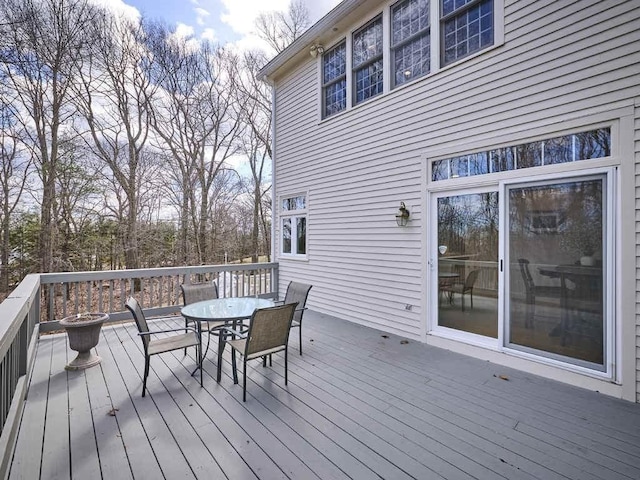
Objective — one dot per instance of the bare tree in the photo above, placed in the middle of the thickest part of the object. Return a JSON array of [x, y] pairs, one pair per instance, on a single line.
[[254, 97], [197, 121], [15, 164], [45, 39], [279, 29], [115, 95]]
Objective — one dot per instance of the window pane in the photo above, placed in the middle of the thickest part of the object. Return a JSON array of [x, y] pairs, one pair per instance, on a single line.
[[334, 63], [286, 235], [367, 43], [449, 6], [294, 203], [556, 250], [409, 18], [468, 263], [594, 144], [302, 235], [502, 159], [440, 170], [412, 60], [369, 81], [334, 79], [469, 31], [558, 150], [300, 202], [335, 98], [529, 155]]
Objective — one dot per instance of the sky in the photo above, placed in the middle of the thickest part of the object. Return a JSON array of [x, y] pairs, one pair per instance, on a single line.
[[223, 21]]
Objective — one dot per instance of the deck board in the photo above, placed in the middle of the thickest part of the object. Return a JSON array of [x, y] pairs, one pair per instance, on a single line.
[[358, 405]]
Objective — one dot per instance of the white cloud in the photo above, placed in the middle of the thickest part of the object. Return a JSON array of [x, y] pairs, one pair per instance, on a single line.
[[209, 34], [183, 31], [201, 15], [241, 17], [118, 6]]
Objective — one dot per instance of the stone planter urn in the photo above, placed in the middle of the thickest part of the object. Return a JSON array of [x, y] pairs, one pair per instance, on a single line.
[[83, 331]]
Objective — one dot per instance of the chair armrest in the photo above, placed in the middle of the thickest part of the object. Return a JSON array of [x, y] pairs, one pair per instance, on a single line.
[[173, 330], [278, 302], [228, 331]]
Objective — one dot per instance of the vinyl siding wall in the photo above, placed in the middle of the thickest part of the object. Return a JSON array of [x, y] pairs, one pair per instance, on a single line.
[[562, 63]]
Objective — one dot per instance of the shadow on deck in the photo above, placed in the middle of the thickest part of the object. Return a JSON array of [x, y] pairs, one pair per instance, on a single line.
[[358, 406]]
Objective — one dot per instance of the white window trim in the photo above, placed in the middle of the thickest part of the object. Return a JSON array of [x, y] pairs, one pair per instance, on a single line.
[[293, 214]]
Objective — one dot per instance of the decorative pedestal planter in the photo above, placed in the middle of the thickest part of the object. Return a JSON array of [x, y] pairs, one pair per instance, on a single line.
[[83, 331]]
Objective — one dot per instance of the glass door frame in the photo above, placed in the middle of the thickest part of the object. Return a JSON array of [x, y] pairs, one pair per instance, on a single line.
[[610, 262], [433, 326]]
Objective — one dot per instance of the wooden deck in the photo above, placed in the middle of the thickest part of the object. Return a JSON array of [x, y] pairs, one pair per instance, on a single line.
[[358, 406]]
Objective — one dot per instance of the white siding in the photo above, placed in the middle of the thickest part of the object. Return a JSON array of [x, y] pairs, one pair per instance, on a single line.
[[561, 61]]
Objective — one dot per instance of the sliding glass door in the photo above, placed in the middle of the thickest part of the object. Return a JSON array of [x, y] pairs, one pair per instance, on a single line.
[[527, 266], [556, 241]]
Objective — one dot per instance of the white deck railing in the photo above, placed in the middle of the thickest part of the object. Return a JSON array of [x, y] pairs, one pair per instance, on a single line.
[[41, 300]]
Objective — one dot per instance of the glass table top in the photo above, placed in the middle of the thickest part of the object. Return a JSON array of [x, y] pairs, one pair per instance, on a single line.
[[225, 308]]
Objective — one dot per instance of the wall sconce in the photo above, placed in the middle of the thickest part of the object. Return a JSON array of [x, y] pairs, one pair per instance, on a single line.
[[316, 50], [402, 217]]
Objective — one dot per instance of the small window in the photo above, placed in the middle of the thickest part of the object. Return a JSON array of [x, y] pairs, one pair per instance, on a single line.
[[367, 61], [334, 80], [466, 27], [410, 40], [294, 225]]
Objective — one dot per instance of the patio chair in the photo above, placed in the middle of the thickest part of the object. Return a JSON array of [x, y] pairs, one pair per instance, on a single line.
[[297, 293], [164, 344], [268, 333], [192, 293], [532, 291], [462, 288]]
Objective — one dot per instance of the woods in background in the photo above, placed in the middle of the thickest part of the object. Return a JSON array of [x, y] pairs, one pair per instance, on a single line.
[[124, 145]]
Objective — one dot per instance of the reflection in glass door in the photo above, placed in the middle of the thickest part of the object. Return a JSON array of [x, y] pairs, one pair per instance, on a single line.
[[556, 240], [467, 264]]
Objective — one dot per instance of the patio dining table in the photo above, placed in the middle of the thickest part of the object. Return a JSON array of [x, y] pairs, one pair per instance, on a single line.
[[229, 310]]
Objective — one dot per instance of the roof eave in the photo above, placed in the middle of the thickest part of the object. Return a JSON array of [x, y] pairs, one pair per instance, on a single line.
[[309, 37]]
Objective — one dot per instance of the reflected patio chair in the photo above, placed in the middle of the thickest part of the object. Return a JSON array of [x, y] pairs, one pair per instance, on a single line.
[[268, 334], [462, 288], [164, 344], [297, 293], [532, 291], [192, 293]]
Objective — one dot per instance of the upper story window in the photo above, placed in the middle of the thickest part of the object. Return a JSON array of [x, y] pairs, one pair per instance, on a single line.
[[420, 37], [334, 80], [367, 61], [293, 216], [466, 26], [410, 40]]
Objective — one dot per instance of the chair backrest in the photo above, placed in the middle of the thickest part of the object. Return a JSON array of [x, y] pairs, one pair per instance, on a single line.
[[297, 293], [269, 329], [471, 279], [526, 274], [198, 292], [134, 307]]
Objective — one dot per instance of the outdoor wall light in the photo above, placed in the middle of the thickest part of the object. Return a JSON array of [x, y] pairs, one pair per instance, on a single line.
[[316, 50], [402, 217]]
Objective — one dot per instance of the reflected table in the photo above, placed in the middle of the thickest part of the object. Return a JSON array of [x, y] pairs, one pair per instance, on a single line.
[[588, 289], [228, 310]]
